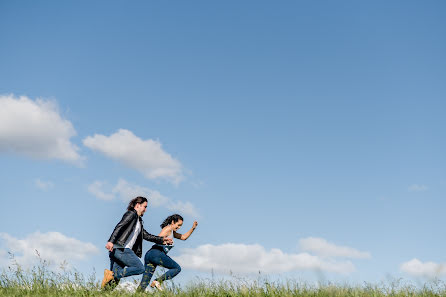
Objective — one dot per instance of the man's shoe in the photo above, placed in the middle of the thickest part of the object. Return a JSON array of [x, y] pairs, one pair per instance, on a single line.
[[108, 276], [156, 284]]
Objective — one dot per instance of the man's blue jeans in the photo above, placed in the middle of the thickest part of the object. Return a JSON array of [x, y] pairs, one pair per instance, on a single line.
[[153, 258], [124, 262]]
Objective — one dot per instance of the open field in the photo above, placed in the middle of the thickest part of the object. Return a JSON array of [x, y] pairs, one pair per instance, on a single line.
[[229, 290], [41, 281]]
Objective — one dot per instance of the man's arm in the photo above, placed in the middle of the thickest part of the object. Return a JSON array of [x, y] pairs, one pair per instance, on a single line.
[[126, 218], [156, 239]]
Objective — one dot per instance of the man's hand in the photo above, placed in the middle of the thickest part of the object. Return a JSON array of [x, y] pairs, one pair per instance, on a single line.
[[167, 241], [109, 246], [195, 224]]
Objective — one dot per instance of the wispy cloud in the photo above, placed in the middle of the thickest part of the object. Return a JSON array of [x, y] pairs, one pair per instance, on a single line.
[[247, 259], [96, 188], [36, 129], [417, 268], [417, 188], [322, 247], [182, 207], [126, 191], [43, 185], [54, 247], [145, 156]]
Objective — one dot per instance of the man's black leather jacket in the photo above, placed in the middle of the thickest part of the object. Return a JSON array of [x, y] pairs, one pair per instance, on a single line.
[[125, 228]]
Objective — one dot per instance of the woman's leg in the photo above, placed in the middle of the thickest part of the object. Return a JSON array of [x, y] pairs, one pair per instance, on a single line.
[[150, 263], [170, 264]]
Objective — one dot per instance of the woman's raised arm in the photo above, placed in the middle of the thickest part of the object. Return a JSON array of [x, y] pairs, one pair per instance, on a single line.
[[187, 234]]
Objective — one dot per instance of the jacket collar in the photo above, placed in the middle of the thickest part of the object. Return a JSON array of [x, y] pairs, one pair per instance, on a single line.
[[140, 218]]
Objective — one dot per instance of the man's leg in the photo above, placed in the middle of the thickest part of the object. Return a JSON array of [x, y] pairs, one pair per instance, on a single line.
[[112, 260], [117, 270], [109, 281], [126, 259], [108, 277]]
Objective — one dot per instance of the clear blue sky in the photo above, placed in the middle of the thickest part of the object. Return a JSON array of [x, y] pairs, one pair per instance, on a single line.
[[312, 127]]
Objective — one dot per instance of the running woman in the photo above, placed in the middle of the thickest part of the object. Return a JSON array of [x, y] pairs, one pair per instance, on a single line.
[[157, 255]]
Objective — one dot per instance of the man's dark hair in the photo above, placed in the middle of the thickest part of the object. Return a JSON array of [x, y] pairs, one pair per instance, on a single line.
[[175, 218], [134, 201]]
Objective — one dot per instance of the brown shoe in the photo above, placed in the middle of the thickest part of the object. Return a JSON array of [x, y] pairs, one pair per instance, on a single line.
[[108, 276]]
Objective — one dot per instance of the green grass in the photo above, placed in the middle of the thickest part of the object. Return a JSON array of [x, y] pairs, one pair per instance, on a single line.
[[41, 281]]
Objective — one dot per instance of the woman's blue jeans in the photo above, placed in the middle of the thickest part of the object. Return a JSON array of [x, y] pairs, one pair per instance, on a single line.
[[124, 262], [152, 259]]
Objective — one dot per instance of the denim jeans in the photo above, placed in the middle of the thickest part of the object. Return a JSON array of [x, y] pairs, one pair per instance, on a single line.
[[153, 258], [124, 262]]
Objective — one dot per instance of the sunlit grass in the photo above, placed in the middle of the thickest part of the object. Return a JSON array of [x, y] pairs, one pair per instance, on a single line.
[[41, 281]]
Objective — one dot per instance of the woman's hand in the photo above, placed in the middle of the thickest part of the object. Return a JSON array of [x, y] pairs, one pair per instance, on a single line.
[[194, 225]]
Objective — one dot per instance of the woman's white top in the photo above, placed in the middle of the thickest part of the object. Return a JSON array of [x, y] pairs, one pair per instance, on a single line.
[[167, 247]]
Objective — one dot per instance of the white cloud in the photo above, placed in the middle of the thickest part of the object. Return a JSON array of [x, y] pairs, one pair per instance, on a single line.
[[4, 261], [146, 156], [43, 185], [127, 191], [417, 268], [96, 189], [36, 129], [52, 246], [417, 188], [321, 247], [245, 259], [183, 207]]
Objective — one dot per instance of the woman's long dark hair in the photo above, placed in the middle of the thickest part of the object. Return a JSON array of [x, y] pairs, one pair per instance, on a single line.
[[137, 200], [175, 218]]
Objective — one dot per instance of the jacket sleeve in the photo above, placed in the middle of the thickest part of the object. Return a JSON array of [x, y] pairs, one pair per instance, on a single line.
[[126, 219], [153, 238]]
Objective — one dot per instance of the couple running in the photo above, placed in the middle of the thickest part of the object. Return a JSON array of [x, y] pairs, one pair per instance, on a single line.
[[125, 247]]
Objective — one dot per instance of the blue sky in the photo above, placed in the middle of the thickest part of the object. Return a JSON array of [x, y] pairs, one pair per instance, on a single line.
[[306, 137]]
